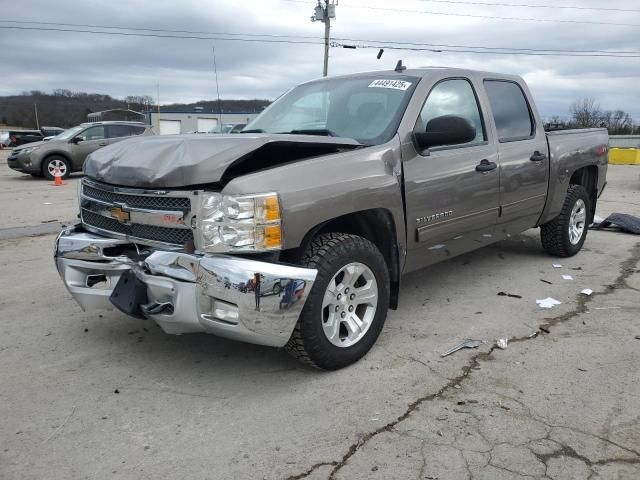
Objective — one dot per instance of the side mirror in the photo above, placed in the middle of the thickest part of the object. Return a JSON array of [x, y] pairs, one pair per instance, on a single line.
[[446, 130], [77, 139]]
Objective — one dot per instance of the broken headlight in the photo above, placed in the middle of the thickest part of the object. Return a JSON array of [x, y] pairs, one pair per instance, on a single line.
[[239, 223]]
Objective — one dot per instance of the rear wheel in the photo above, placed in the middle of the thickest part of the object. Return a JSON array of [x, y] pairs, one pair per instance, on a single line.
[[347, 305], [564, 235], [50, 164]]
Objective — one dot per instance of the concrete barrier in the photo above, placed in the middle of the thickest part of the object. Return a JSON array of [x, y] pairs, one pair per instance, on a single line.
[[624, 156]]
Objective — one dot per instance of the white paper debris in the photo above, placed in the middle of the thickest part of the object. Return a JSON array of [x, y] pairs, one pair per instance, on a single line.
[[47, 203], [557, 265], [586, 291], [567, 277], [502, 343], [548, 302]]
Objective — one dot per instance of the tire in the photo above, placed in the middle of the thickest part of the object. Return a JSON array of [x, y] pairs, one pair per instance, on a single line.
[[557, 236], [49, 163], [277, 288], [337, 256]]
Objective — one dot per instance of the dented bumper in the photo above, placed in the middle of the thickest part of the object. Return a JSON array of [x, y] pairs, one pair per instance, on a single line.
[[239, 298]]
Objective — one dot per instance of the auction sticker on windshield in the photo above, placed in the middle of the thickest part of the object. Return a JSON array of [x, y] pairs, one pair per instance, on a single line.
[[386, 83]]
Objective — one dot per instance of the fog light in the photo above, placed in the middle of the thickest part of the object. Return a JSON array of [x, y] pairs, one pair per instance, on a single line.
[[223, 312]]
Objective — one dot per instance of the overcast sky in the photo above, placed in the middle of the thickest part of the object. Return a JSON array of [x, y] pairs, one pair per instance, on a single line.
[[128, 65]]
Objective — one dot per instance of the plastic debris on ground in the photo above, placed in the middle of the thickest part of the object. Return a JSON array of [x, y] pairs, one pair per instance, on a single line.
[[586, 291], [548, 302], [502, 343], [467, 343], [557, 265], [567, 277], [621, 222]]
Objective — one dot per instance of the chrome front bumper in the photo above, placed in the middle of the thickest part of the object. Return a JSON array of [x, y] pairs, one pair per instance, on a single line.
[[238, 298]]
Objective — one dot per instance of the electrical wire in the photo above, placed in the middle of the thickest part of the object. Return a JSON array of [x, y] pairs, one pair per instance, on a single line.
[[528, 5], [365, 44], [483, 17]]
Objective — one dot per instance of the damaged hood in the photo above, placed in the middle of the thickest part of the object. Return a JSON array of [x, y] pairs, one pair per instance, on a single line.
[[173, 161]]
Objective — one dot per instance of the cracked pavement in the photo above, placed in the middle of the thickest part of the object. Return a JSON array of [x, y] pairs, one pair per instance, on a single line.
[[557, 405]]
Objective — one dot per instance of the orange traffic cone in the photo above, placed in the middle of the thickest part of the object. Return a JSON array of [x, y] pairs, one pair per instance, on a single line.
[[57, 177]]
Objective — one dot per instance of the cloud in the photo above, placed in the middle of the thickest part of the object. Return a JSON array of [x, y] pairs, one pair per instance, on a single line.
[[126, 65]]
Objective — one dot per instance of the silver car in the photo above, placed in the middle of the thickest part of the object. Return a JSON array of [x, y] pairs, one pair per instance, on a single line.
[[67, 151]]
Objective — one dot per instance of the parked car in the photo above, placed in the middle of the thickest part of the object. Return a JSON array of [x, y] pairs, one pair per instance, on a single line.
[[68, 150], [334, 191], [13, 138]]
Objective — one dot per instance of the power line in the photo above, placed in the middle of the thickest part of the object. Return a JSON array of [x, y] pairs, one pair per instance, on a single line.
[[528, 5], [622, 52], [213, 36], [484, 17], [441, 50], [365, 44], [156, 35], [161, 30]]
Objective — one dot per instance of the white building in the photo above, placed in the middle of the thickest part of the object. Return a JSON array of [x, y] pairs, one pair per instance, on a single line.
[[193, 120]]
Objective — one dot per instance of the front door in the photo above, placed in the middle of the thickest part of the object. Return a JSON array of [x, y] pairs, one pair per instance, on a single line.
[[451, 192], [93, 138]]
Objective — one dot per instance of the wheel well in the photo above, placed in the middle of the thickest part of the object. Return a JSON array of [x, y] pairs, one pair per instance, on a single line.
[[377, 226], [588, 178]]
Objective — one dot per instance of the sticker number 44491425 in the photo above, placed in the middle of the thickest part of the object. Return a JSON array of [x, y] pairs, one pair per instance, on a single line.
[[387, 83]]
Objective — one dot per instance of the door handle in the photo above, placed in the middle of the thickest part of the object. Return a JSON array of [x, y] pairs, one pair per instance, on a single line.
[[537, 156], [486, 166]]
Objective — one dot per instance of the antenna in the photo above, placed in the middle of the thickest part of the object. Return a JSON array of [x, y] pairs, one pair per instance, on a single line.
[[399, 67], [215, 69]]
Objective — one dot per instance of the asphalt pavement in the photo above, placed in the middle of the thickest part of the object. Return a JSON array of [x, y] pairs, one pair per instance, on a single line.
[[97, 395]]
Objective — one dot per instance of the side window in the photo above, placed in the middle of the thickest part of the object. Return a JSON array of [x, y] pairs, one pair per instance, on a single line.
[[93, 133], [453, 97], [135, 130], [116, 131], [510, 110]]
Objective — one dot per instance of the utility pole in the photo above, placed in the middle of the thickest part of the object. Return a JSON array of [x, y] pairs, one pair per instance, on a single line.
[[325, 10], [35, 107]]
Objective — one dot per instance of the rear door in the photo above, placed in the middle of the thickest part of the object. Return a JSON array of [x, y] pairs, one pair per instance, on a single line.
[[451, 206], [523, 155]]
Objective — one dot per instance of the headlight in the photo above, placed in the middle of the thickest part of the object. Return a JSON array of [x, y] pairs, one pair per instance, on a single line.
[[234, 223], [28, 150]]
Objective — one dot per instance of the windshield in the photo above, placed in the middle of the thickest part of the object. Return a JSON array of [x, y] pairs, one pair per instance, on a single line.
[[68, 134], [367, 109]]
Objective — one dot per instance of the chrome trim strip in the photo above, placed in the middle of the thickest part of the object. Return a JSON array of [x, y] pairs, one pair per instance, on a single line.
[[131, 239], [141, 192]]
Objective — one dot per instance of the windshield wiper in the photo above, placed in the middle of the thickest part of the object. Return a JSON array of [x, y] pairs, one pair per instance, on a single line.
[[313, 131], [255, 130]]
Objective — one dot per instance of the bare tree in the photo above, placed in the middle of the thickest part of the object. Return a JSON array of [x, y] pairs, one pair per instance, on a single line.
[[586, 113]]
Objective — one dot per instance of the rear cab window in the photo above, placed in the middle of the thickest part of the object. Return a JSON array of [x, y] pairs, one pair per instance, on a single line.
[[511, 111]]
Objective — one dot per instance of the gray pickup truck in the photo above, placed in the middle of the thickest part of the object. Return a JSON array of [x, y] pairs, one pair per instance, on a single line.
[[296, 232]]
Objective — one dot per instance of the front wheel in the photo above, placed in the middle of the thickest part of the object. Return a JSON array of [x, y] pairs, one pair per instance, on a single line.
[[53, 164], [348, 304], [564, 235]]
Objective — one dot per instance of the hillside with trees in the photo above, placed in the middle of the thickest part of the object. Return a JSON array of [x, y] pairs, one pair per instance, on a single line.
[[64, 108]]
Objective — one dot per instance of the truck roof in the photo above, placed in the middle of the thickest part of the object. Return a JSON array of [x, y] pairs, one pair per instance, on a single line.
[[425, 72]]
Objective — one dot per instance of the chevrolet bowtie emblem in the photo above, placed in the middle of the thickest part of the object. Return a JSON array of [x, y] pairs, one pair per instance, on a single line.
[[119, 214]]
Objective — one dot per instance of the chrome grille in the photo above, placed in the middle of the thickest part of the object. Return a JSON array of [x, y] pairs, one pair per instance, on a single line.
[[175, 236], [137, 201], [139, 215]]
